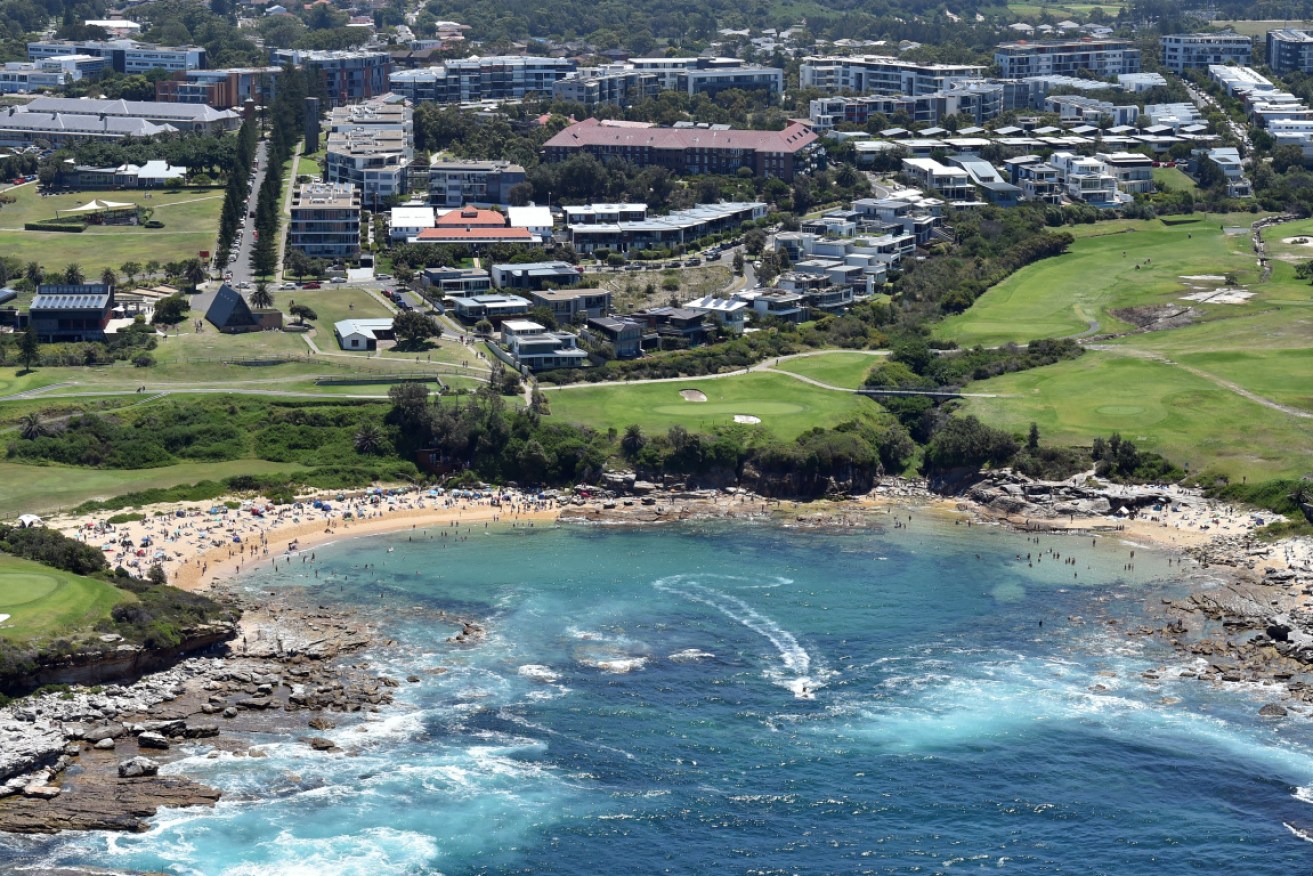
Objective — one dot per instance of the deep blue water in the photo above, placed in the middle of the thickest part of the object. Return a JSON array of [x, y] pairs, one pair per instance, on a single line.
[[874, 702]]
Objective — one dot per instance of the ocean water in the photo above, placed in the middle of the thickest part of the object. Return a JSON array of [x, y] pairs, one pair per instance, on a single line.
[[752, 699]]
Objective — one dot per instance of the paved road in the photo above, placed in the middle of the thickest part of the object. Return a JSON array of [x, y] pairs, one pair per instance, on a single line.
[[241, 264]]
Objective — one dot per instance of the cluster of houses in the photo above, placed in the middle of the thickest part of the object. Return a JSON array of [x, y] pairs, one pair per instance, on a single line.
[[1286, 117]]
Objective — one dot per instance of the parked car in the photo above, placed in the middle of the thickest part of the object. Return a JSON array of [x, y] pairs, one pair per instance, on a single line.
[[310, 286], [382, 276], [288, 286], [338, 280]]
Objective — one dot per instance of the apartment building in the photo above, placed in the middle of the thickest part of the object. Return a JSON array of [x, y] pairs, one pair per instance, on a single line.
[[679, 228], [689, 150], [370, 146], [616, 84], [21, 129], [457, 183], [1184, 51], [1078, 108], [709, 75], [19, 77], [535, 275], [1102, 57], [347, 76], [227, 88], [468, 80], [879, 74], [979, 101], [1289, 51], [123, 56], [326, 220]]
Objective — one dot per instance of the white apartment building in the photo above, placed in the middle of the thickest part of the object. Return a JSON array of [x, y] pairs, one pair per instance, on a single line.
[[879, 74], [1183, 51], [1086, 179], [953, 183]]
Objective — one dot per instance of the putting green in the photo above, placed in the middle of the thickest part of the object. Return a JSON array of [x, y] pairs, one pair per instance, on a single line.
[[23, 588], [43, 602]]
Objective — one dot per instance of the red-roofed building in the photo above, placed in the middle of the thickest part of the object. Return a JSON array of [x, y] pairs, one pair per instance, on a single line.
[[690, 150], [475, 236], [472, 217]]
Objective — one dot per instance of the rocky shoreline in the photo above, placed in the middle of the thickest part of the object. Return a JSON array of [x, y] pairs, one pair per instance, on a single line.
[[90, 759]]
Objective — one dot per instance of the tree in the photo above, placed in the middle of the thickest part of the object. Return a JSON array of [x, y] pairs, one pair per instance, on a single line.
[[411, 327], [408, 400], [754, 241], [170, 310], [153, 267], [1032, 437], [30, 349], [194, 273], [73, 274], [130, 271], [108, 277], [633, 441], [262, 298], [32, 426], [368, 438], [34, 273], [1304, 270], [303, 312], [738, 263]]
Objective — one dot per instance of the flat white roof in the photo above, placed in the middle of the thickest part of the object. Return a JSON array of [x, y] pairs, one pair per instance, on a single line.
[[522, 325], [530, 217]]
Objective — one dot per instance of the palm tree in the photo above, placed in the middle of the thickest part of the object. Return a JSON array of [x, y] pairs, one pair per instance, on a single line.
[[34, 273], [368, 439], [130, 271], [633, 441], [195, 273], [32, 426], [73, 274], [108, 277], [261, 298]]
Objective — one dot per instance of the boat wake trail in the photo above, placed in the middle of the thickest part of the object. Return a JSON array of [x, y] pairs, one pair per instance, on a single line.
[[796, 662]]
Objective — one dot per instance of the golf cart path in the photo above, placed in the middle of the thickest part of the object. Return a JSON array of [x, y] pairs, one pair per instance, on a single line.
[[1204, 375]]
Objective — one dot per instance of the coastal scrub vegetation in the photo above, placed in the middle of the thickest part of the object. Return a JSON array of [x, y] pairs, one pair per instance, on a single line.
[[146, 612]]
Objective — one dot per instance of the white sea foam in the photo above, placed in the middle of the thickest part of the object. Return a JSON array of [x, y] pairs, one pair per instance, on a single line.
[[620, 665], [1302, 834], [688, 655], [538, 672], [795, 660]]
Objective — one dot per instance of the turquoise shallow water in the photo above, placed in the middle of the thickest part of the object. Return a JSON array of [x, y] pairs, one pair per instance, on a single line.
[[752, 699]]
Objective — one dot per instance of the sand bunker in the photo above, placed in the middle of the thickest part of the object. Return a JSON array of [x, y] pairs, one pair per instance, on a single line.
[[746, 418], [1220, 296], [3, 618], [1206, 278], [693, 395], [1299, 241]]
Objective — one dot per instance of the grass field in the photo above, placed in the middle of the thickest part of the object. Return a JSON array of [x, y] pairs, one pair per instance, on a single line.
[[1169, 179], [190, 217], [1072, 294], [37, 488], [785, 406], [844, 368], [41, 601], [1159, 407]]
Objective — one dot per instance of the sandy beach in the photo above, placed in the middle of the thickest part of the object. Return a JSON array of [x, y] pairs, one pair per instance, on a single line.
[[197, 547]]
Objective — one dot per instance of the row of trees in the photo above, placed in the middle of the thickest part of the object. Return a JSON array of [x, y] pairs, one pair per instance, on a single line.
[[238, 188], [286, 122]]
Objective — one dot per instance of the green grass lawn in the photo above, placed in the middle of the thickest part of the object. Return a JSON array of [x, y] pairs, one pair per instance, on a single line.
[[41, 601], [1170, 179], [333, 304], [846, 368], [1069, 294], [786, 406], [190, 217], [39, 489], [1188, 419]]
